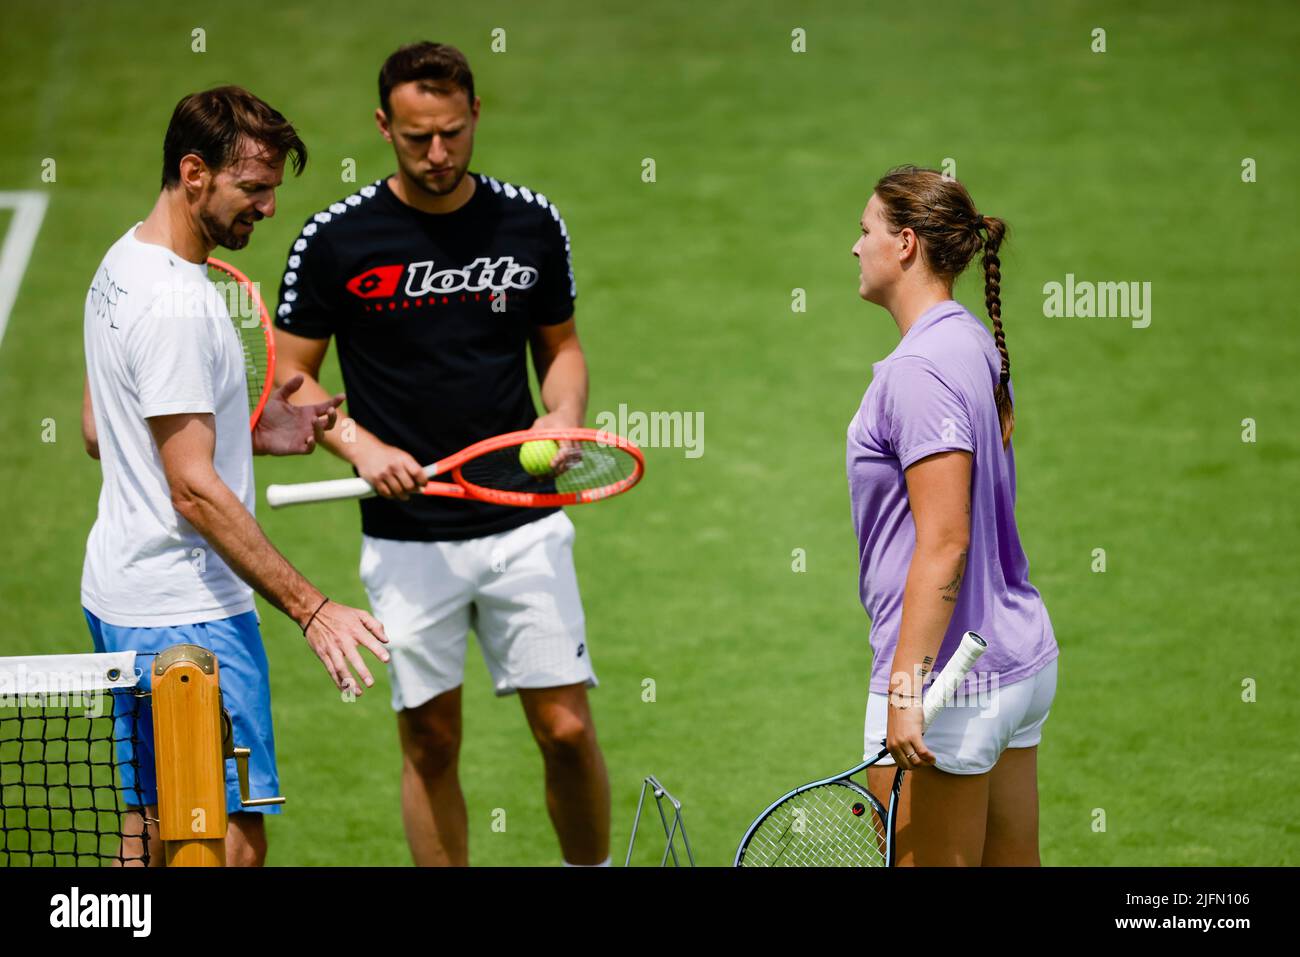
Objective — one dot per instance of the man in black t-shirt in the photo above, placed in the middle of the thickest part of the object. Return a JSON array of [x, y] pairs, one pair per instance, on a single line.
[[435, 282]]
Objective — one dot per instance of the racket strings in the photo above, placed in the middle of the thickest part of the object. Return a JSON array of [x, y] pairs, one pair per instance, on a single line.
[[586, 465], [818, 828], [246, 315]]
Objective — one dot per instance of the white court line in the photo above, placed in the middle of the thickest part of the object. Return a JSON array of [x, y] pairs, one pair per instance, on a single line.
[[29, 211]]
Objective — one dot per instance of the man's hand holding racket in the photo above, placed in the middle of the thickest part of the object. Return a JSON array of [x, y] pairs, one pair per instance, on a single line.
[[570, 454], [392, 472]]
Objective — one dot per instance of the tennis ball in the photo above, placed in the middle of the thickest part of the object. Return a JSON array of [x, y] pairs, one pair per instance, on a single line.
[[536, 456]]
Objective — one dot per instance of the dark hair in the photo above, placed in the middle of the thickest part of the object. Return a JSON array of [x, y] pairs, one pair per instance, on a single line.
[[212, 124], [437, 67], [941, 213]]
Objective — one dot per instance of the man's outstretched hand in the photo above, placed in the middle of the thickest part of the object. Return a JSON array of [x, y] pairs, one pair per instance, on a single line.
[[335, 632], [288, 429]]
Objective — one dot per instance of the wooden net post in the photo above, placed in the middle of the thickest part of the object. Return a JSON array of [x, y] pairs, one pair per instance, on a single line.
[[188, 734]]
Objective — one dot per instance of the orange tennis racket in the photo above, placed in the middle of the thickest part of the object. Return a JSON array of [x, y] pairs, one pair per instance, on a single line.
[[253, 323], [539, 468]]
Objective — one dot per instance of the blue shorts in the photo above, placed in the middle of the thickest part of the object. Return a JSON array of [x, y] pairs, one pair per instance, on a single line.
[[245, 692]]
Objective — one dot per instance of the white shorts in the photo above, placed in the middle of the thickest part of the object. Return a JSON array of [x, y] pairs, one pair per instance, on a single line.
[[517, 589], [982, 721]]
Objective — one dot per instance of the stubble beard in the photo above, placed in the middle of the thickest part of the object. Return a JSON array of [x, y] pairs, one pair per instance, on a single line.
[[222, 235], [423, 185]]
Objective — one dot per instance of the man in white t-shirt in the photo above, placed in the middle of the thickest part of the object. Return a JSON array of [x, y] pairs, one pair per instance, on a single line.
[[175, 553]]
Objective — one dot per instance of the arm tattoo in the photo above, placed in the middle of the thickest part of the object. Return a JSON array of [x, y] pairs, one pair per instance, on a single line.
[[951, 589]]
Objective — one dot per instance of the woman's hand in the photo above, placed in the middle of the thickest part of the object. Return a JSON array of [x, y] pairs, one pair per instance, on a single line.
[[904, 733]]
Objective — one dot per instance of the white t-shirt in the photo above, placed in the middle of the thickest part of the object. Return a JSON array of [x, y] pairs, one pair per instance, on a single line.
[[159, 341]]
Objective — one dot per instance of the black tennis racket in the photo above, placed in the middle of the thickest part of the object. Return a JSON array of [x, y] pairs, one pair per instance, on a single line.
[[836, 822]]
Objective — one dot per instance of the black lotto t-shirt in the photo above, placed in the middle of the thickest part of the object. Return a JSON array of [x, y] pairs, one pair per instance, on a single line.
[[429, 366]]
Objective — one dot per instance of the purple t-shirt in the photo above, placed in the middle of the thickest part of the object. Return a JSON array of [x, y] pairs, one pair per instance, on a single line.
[[934, 393]]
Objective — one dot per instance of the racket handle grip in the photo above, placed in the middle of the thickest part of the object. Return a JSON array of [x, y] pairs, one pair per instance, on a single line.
[[952, 675], [331, 490], [328, 491]]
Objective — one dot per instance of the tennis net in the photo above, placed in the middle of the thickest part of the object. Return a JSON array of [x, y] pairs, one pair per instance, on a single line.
[[67, 725]]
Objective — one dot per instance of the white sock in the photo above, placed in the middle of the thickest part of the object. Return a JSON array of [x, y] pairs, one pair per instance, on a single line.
[[604, 863]]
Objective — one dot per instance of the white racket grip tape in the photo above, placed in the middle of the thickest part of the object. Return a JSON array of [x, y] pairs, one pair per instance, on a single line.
[[952, 675], [328, 491], [279, 495]]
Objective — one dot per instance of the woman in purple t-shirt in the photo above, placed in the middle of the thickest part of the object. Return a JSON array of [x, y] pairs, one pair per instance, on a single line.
[[932, 484]]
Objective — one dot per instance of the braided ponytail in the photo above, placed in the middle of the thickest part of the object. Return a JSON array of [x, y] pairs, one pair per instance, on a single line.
[[996, 230]]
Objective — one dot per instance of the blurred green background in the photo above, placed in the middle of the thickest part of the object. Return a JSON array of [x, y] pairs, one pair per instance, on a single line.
[[1115, 166]]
